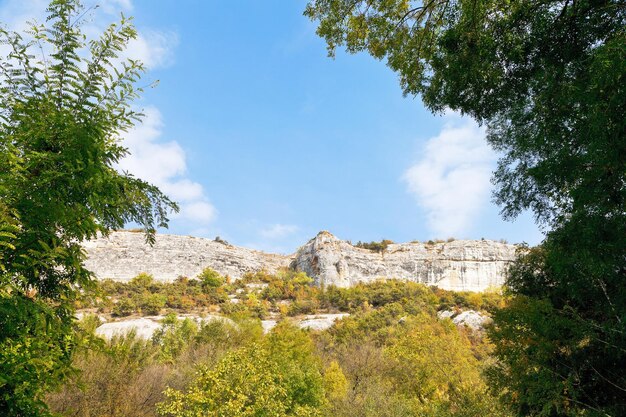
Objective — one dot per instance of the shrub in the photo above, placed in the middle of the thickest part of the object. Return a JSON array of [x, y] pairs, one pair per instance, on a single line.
[[124, 307], [174, 336], [152, 304], [143, 281], [375, 246], [246, 382], [211, 279], [303, 306]]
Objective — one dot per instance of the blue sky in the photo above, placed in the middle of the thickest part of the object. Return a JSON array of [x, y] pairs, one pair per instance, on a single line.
[[265, 140]]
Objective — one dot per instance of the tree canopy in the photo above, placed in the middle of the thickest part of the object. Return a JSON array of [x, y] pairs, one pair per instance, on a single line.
[[547, 80], [546, 77], [65, 104]]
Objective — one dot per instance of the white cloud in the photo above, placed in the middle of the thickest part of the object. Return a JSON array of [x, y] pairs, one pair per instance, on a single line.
[[451, 180], [155, 48], [278, 231], [160, 163], [184, 190], [164, 165], [199, 212]]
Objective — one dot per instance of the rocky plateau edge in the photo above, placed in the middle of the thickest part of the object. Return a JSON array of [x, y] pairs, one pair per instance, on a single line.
[[460, 265]]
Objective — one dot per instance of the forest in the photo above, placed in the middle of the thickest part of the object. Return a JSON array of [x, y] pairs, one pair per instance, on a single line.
[[544, 78]]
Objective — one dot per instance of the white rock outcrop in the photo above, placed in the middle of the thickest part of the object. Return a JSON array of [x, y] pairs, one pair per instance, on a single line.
[[320, 321], [461, 265], [145, 327], [475, 320], [466, 265], [123, 255]]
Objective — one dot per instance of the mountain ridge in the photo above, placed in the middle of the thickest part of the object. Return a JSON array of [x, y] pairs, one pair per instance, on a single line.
[[467, 265]]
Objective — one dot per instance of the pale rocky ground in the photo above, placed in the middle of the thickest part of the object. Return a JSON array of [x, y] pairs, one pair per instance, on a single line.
[[321, 321], [123, 255], [470, 318], [316, 322], [460, 265], [145, 327]]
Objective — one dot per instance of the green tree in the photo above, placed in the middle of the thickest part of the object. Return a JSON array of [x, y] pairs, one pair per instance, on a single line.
[[335, 382], [437, 368], [547, 79], [292, 350], [174, 336], [246, 382], [65, 104], [211, 279]]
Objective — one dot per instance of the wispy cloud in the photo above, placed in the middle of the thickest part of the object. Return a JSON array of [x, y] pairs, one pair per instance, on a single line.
[[164, 165], [155, 48], [278, 231], [451, 180], [275, 238]]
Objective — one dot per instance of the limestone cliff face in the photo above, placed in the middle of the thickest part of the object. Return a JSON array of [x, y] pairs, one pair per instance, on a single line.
[[462, 265], [123, 255], [458, 265]]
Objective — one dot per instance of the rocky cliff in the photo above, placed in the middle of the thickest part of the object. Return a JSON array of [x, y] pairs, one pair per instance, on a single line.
[[457, 265], [462, 265], [123, 255]]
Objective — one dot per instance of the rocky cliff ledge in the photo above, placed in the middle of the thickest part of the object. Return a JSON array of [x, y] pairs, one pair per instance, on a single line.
[[458, 265], [462, 265], [123, 255]]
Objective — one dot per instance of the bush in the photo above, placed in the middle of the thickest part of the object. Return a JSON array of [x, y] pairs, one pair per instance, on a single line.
[[375, 246], [230, 308], [304, 306], [174, 336], [124, 307], [152, 304], [142, 281], [211, 279]]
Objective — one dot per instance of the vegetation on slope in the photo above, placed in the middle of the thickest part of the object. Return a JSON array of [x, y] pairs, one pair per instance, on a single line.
[[391, 357], [259, 294]]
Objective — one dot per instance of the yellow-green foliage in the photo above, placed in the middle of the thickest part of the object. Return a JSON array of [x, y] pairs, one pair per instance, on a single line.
[[211, 278], [286, 293], [142, 281], [279, 377], [335, 382], [391, 357], [245, 383], [434, 361]]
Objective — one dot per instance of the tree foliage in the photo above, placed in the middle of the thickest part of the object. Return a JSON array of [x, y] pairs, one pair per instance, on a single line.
[[65, 104], [547, 79], [279, 378]]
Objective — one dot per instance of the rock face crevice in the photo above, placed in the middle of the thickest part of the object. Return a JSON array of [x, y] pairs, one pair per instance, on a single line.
[[466, 265]]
